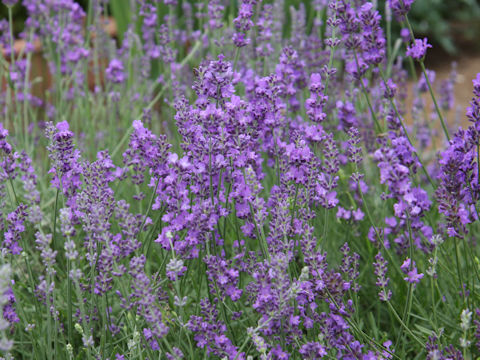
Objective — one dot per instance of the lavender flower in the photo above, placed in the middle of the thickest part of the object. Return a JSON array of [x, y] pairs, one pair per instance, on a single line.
[[373, 41], [6, 305], [175, 269], [409, 268], [315, 103], [473, 111], [66, 168], [418, 49], [243, 23], [210, 332], [380, 266], [115, 71], [15, 227], [400, 8]]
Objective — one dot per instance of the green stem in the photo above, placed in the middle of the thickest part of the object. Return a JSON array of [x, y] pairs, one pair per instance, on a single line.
[[395, 314], [408, 303], [380, 240], [460, 277], [429, 85], [149, 205], [69, 304], [54, 230], [367, 98], [434, 305], [392, 103]]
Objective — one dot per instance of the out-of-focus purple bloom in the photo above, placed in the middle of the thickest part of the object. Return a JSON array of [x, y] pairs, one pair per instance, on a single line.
[[400, 8], [373, 40], [10, 2], [7, 300], [447, 88], [175, 269], [115, 72], [389, 89], [265, 34], [47, 255], [176, 354], [405, 35], [215, 13], [422, 85], [243, 22], [62, 22], [458, 188]]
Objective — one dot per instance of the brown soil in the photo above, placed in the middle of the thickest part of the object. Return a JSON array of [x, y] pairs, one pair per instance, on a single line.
[[468, 66]]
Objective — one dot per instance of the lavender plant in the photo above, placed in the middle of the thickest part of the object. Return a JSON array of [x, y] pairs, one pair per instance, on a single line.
[[213, 186]]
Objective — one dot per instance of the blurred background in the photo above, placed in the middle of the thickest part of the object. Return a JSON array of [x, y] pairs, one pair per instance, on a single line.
[[452, 27]]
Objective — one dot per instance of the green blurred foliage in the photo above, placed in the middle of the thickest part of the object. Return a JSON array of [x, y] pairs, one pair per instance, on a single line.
[[448, 23], [20, 14]]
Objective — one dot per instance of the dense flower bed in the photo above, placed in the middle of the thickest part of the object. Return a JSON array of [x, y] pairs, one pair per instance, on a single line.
[[226, 190]]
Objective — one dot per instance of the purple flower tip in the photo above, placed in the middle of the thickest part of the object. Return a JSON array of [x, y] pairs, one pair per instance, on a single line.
[[10, 2], [3, 132], [137, 124], [418, 49], [476, 81], [63, 126]]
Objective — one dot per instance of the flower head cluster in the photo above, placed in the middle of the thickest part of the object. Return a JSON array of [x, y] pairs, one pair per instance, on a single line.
[[418, 49], [243, 23], [410, 269], [210, 240], [115, 71], [400, 7], [6, 303], [65, 158]]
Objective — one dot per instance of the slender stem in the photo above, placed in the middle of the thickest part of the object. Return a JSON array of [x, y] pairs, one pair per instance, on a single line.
[[54, 230], [394, 312], [360, 331], [460, 277], [388, 13], [69, 304], [156, 98], [434, 306], [429, 85], [408, 303], [332, 52], [380, 240], [235, 61], [365, 93], [149, 205]]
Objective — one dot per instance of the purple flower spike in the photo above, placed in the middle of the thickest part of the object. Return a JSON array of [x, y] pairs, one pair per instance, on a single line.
[[473, 111], [380, 266]]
